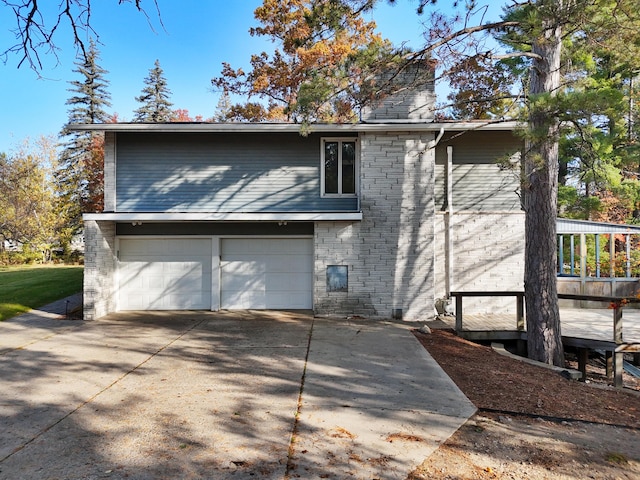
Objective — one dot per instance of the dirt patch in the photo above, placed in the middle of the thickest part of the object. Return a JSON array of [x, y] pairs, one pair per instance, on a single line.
[[532, 422]]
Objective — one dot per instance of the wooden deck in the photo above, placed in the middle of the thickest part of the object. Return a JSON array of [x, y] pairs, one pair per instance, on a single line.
[[595, 325], [615, 330], [584, 329]]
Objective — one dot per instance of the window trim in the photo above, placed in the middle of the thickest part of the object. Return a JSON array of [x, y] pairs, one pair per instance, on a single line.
[[356, 165]]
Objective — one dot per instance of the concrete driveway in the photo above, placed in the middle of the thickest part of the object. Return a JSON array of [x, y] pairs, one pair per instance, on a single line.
[[219, 395]]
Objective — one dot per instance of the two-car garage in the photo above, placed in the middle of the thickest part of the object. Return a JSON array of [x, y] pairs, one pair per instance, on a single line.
[[186, 273]]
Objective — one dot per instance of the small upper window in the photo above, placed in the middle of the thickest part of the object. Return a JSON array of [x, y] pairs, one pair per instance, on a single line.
[[339, 161]]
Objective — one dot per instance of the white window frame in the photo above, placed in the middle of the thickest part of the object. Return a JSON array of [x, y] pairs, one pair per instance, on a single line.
[[356, 168]]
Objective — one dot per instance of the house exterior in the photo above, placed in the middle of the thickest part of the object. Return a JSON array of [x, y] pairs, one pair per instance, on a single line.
[[377, 218]]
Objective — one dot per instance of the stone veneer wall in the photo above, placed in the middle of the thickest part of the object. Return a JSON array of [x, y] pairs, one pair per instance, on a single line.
[[390, 253], [99, 268], [488, 254]]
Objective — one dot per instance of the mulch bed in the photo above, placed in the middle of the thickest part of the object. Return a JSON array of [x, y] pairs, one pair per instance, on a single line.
[[495, 383]]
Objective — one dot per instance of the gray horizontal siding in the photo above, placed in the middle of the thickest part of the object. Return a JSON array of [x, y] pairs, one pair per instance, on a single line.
[[478, 183], [221, 173]]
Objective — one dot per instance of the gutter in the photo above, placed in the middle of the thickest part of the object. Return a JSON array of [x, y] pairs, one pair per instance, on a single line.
[[223, 217], [291, 127]]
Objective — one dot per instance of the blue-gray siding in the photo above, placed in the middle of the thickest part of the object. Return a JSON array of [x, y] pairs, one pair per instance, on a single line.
[[221, 173], [478, 183]]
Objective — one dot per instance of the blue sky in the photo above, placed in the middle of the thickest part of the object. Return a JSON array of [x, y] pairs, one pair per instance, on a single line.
[[197, 36]]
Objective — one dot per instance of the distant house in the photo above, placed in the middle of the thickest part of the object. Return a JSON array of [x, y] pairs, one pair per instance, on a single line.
[[11, 246], [377, 218]]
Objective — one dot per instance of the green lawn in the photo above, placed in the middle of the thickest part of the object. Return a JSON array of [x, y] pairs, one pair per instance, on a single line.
[[26, 287]]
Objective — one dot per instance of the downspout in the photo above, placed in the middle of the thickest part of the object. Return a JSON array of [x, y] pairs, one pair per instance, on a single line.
[[448, 223], [447, 208], [434, 143], [447, 202]]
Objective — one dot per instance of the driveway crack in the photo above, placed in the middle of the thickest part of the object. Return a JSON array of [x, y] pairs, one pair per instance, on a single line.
[[93, 397], [296, 422]]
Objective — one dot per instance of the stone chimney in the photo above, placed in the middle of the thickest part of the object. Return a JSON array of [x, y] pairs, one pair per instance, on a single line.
[[411, 96]]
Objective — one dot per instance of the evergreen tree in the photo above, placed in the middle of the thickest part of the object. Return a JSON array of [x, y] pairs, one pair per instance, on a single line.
[[223, 108], [156, 107], [81, 164]]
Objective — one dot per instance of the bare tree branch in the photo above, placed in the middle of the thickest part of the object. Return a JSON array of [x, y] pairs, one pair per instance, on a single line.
[[463, 32], [35, 32]]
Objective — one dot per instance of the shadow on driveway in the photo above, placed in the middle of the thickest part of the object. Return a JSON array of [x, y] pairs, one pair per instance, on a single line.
[[221, 395]]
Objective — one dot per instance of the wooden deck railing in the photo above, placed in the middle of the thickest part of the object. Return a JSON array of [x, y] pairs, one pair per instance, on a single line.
[[615, 357], [617, 343], [615, 303], [519, 296]]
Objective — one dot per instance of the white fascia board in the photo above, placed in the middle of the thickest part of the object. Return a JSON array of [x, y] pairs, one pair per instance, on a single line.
[[399, 126], [225, 217]]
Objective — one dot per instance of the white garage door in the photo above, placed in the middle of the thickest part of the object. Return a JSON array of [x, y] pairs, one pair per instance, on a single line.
[[164, 274], [266, 273]]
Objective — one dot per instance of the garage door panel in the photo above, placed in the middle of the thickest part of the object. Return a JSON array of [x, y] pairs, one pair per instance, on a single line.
[[150, 248], [289, 263], [185, 286], [237, 246], [266, 273], [165, 274], [294, 247], [180, 247], [288, 282], [287, 300], [240, 299], [243, 266], [183, 268], [181, 301], [128, 277], [241, 276], [155, 283], [134, 302], [244, 283]]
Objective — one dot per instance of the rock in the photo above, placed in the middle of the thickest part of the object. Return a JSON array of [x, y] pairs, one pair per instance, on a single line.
[[424, 329], [566, 374]]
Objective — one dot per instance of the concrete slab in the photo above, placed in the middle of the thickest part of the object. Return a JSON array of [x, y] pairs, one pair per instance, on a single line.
[[36, 324], [152, 395], [374, 404]]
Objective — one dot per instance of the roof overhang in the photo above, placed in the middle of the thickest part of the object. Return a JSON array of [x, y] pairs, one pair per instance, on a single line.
[[294, 127], [226, 217], [572, 227]]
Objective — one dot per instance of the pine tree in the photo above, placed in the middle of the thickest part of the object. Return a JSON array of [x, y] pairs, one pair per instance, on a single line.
[[156, 106], [81, 164], [223, 108]]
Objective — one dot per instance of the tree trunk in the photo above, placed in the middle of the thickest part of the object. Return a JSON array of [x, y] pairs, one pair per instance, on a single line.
[[540, 201]]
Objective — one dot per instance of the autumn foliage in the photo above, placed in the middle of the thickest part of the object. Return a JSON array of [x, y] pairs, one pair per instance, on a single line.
[[325, 53]]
